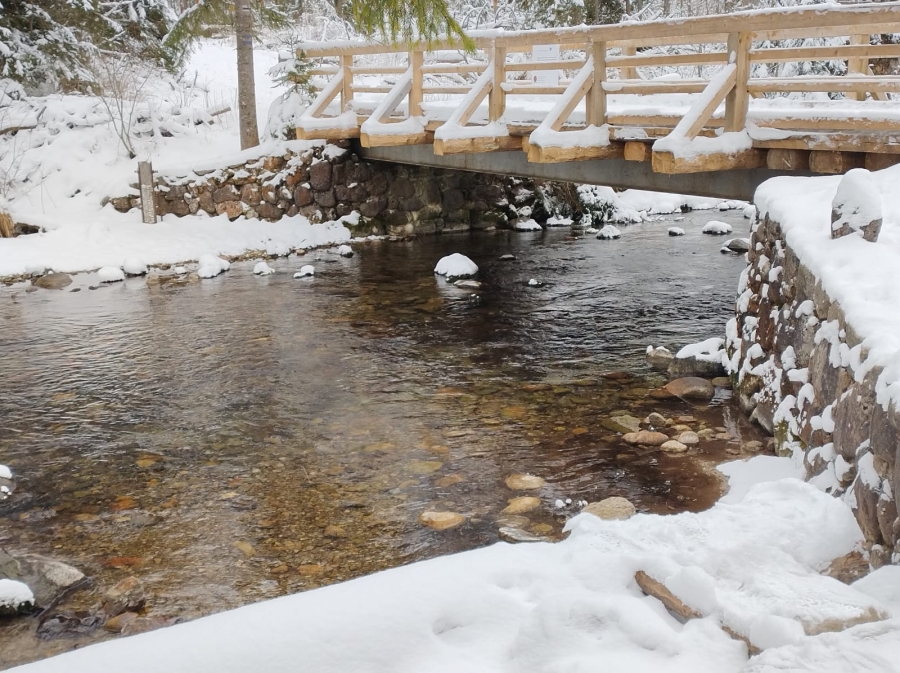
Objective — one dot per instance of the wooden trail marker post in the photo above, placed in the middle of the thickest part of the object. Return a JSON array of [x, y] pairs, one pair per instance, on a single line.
[[145, 183]]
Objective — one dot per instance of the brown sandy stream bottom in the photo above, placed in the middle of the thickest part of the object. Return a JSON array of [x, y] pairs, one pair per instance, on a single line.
[[244, 438]]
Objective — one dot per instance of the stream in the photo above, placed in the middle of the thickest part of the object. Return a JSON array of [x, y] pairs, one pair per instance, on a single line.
[[242, 438]]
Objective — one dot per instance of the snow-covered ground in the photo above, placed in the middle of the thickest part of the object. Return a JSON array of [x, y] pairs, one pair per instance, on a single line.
[[751, 563], [58, 174]]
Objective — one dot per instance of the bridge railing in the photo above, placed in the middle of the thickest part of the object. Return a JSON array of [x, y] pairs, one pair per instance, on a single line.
[[682, 124]]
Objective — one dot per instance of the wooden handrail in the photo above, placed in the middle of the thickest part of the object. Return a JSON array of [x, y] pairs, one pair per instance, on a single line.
[[880, 17], [616, 60]]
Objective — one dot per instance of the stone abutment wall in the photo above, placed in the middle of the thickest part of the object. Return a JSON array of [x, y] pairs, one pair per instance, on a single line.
[[328, 182], [798, 369]]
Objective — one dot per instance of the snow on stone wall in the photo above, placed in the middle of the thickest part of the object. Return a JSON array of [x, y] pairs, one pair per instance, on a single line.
[[798, 368], [327, 182]]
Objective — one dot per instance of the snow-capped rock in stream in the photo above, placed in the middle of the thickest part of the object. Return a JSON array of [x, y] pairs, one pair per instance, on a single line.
[[456, 266], [211, 266], [716, 228], [608, 233], [15, 598], [110, 274], [263, 269], [134, 266], [306, 271]]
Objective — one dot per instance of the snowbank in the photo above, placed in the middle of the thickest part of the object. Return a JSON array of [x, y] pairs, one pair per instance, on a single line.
[[862, 277], [61, 171], [113, 237], [542, 607]]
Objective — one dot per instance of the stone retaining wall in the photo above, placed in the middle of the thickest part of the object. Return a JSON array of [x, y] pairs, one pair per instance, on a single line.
[[796, 367], [327, 182]]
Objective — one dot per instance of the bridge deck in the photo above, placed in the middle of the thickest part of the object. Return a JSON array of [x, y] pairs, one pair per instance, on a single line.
[[697, 95]]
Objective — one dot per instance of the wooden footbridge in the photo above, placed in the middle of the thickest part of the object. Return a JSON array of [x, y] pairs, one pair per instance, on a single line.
[[713, 104]]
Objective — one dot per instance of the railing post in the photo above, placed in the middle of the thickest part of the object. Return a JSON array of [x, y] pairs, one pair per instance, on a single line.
[[416, 60], [629, 72], [497, 96], [858, 66], [738, 99], [347, 84], [596, 98]]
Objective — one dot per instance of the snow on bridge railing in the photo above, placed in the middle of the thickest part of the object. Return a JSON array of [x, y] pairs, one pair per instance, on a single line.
[[704, 122]]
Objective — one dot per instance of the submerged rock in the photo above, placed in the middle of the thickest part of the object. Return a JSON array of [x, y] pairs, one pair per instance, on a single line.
[[645, 437], [611, 509], [126, 596], [441, 520], [673, 446], [521, 505], [53, 281], [691, 387], [524, 482], [510, 534], [623, 423]]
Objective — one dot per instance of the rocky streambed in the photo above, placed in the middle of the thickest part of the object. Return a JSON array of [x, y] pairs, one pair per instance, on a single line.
[[195, 447]]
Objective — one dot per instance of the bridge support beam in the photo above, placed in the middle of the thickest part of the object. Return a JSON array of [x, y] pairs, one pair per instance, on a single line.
[[618, 173]]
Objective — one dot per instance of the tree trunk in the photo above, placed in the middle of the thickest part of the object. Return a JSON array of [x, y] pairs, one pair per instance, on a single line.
[[246, 84]]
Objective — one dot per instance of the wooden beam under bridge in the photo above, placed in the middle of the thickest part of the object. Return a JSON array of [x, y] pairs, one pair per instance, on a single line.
[[619, 173]]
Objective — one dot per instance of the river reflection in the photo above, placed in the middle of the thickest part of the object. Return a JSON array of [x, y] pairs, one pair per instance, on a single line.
[[247, 437]]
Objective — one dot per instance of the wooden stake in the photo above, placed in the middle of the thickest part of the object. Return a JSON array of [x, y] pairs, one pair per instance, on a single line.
[[145, 185]]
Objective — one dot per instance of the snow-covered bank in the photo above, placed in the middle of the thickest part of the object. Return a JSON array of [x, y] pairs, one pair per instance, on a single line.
[[862, 277], [111, 240], [56, 175], [751, 564]]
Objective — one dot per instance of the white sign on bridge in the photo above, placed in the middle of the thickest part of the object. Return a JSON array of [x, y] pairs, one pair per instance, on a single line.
[[541, 53]]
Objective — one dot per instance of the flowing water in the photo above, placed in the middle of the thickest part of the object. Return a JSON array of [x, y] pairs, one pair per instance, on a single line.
[[246, 437]]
